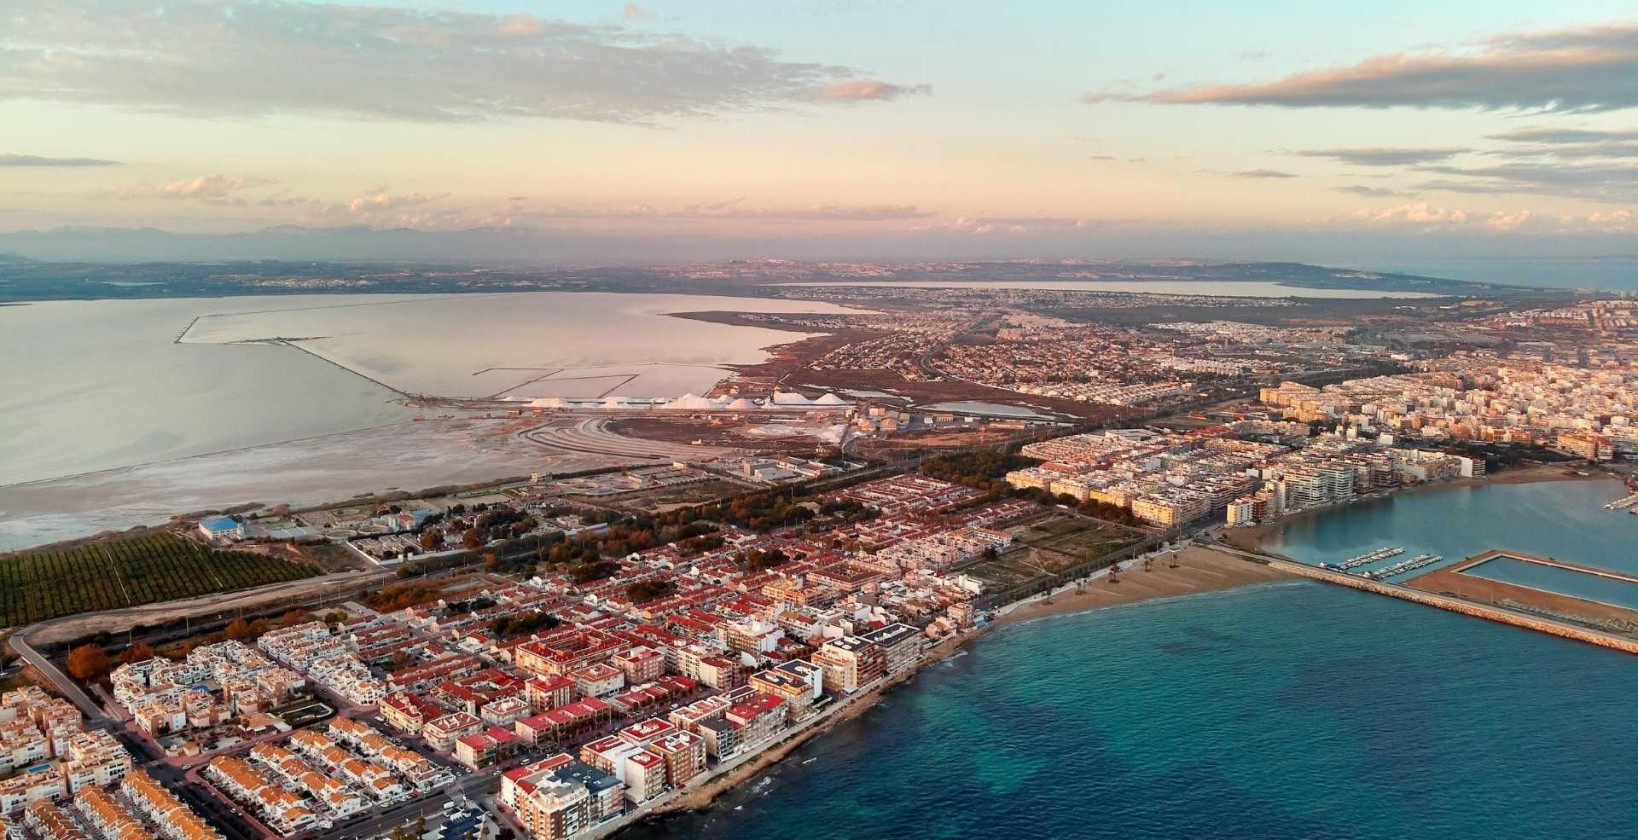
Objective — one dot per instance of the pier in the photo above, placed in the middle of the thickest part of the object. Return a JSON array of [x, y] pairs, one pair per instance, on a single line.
[[1366, 559], [1404, 566]]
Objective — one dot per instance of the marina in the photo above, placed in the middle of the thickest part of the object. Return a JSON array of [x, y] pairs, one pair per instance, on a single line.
[[1366, 559], [1404, 566], [1623, 504], [1562, 519]]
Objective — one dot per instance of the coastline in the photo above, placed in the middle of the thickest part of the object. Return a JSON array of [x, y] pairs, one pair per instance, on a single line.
[[707, 793], [1200, 569], [1249, 539]]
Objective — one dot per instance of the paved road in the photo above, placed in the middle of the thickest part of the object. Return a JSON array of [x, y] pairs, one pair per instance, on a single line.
[[94, 714], [375, 823], [68, 628]]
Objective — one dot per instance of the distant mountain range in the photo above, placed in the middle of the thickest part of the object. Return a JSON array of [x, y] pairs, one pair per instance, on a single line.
[[285, 242]]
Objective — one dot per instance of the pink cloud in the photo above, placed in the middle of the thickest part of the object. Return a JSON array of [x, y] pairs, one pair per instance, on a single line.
[[870, 90]]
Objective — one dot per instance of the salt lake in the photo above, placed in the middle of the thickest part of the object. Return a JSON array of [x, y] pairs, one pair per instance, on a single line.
[[97, 385]]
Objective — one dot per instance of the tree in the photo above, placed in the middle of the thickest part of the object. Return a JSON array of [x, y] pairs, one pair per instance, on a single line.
[[238, 630], [139, 652], [648, 590], [472, 538], [294, 617], [88, 662], [430, 540]]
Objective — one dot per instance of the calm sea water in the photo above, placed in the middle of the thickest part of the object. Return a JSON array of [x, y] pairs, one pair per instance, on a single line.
[[1612, 273], [1563, 519], [1578, 584], [1288, 710]]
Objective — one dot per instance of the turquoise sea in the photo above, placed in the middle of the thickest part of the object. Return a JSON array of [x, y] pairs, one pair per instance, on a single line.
[[1285, 710], [1570, 582], [1562, 519]]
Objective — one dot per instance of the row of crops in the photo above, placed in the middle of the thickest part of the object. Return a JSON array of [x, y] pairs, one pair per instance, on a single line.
[[126, 571]]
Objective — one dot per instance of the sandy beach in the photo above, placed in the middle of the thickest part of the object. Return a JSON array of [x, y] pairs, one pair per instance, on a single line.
[[1198, 570]]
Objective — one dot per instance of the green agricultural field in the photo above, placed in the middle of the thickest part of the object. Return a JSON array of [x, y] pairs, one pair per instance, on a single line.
[[126, 571]]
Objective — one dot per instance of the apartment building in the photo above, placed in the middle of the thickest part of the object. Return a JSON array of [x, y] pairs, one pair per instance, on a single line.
[[900, 645], [849, 663]]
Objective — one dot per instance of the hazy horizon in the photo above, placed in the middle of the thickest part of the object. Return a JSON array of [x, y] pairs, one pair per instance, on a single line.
[[1334, 134]]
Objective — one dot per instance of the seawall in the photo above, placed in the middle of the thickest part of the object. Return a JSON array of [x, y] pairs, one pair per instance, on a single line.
[[1530, 622]]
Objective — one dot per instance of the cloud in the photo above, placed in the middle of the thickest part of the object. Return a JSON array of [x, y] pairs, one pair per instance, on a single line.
[[834, 212], [1591, 68], [381, 207], [219, 58], [1605, 182], [381, 199], [735, 209], [1564, 135], [209, 189], [1369, 192], [634, 12], [1420, 213], [1262, 173], [1384, 156], [869, 90], [39, 160], [1506, 222], [981, 225], [1426, 218], [1569, 143], [1614, 221]]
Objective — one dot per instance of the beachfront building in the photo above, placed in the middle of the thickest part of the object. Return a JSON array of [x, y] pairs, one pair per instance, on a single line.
[[900, 645], [559, 797], [849, 663]]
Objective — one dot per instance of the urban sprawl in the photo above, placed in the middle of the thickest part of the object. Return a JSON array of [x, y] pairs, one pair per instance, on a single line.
[[589, 691]]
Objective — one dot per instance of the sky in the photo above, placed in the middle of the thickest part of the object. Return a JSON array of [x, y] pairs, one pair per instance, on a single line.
[[1291, 129]]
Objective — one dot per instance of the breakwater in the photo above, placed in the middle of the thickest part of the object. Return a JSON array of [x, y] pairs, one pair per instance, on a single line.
[[1498, 614]]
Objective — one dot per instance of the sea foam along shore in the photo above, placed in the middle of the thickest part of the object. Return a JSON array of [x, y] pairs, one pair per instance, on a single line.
[[1198, 569]]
